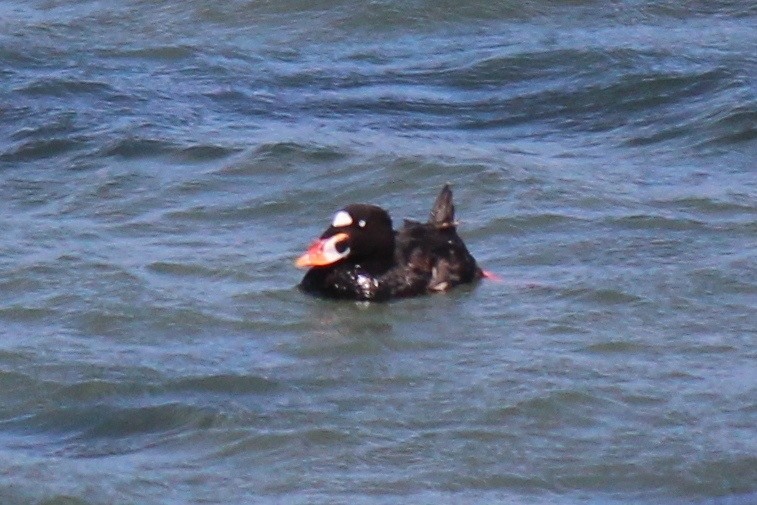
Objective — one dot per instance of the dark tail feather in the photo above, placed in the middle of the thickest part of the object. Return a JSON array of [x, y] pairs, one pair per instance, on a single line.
[[443, 211]]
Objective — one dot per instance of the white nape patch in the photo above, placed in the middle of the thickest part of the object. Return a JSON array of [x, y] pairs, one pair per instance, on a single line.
[[341, 218], [361, 223]]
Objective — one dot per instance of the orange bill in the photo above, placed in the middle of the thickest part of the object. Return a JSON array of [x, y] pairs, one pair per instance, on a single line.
[[323, 252]]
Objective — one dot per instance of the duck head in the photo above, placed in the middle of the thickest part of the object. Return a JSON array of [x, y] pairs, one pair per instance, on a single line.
[[358, 233]]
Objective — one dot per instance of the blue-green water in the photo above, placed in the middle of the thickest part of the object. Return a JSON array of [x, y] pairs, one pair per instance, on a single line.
[[163, 163]]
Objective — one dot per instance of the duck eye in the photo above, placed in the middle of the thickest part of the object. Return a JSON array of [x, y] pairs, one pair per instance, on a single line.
[[361, 223]]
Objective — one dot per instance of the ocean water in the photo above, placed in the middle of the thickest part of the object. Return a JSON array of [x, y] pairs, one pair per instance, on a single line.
[[162, 164]]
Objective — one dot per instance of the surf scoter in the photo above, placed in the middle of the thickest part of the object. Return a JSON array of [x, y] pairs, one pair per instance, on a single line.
[[360, 256]]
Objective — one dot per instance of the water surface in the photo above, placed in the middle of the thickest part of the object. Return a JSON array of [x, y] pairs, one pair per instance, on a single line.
[[163, 163]]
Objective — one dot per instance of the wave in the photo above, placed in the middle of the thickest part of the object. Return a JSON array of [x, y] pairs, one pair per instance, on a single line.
[[146, 147], [97, 415], [65, 87], [40, 150]]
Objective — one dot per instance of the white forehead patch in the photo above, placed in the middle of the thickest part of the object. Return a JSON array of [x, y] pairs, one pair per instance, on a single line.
[[341, 218]]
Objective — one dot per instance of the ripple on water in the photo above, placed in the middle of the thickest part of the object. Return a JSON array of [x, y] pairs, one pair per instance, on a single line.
[[153, 51], [657, 222], [602, 296], [617, 347], [135, 148], [734, 126], [60, 87], [100, 417], [230, 384], [40, 149]]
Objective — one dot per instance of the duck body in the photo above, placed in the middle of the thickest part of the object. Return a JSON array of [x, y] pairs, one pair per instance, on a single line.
[[360, 256]]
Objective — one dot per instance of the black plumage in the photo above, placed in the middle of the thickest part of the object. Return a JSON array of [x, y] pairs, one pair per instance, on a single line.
[[360, 257]]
